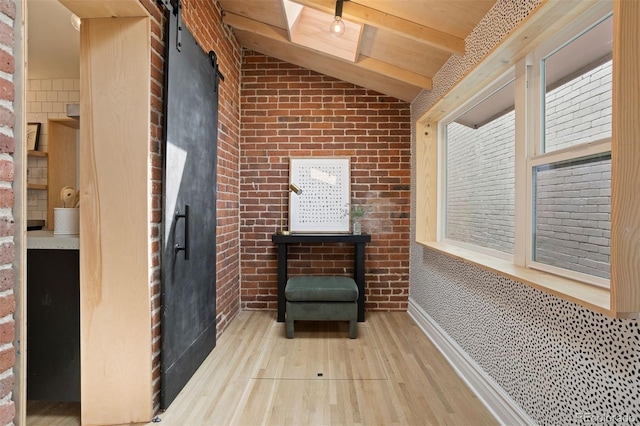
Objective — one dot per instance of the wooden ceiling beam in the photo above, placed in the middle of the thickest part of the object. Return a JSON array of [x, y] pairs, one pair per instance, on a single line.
[[255, 27], [370, 64], [106, 9], [341, 70], [375, 18], [395, 72]]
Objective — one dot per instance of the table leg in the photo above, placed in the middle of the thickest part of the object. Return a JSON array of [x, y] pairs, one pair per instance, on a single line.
[[282, 279], [358, 276]]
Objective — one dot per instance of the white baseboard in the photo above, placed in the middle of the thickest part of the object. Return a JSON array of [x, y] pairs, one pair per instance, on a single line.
[[497, 401]]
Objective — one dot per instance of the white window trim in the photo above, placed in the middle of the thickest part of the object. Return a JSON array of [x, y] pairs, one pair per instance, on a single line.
[[528, 120], [534, 138]]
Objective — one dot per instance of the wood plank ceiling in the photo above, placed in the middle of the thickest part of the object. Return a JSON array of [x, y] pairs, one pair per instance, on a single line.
[[397, 46]]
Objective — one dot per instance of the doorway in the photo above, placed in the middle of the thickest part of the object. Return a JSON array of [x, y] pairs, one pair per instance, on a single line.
[[115, 217], [52, 82]]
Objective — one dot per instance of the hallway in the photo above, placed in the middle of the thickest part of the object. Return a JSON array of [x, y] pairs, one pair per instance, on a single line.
[[390, 374]]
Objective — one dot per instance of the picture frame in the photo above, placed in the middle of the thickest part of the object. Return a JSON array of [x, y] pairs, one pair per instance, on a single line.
[[323, 204], [33, 136]]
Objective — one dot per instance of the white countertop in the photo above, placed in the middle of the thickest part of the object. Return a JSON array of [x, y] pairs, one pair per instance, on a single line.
[[46, 239]]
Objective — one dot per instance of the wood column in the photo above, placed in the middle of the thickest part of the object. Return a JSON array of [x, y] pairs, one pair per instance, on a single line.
[[625, 158], [115, 260]]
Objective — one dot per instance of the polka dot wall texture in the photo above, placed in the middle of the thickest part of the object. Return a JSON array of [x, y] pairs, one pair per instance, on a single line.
[[554, 358], [563, 364]]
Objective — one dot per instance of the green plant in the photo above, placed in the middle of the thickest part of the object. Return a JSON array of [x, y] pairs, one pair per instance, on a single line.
[[358, 212]]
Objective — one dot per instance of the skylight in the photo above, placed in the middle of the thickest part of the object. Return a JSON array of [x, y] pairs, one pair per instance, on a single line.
[[310, 28]]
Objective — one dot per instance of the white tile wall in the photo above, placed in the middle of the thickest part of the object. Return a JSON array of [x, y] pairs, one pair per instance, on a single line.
[[45, 99]]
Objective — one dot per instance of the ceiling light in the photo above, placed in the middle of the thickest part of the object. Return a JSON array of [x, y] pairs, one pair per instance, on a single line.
[[338, 26], [75, 21]]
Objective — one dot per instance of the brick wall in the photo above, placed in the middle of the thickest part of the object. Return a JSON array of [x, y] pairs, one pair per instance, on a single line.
[[7, 146], [580, 110], [288, 112], [480, 198], [573, 216], [155, 154]]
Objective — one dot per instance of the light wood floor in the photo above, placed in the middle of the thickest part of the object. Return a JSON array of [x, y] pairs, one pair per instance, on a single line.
[[45, 413], [390, 375]]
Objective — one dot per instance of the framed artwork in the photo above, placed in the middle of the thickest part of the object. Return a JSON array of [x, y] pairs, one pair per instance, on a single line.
[[323, 203], [33, 136]]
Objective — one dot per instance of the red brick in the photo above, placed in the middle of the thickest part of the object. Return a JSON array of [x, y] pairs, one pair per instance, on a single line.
[[7, 92], [6, 171], [7, 333], [7, 305], [6, 279], [7, 118], [7, 144], [6, 227], [8, 7], [6, 253], [6, 385], [7, 359], [6, 198], [7, 412], [7, 63]]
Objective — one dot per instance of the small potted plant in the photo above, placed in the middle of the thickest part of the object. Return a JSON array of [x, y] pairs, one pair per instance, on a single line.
[[357, 213]]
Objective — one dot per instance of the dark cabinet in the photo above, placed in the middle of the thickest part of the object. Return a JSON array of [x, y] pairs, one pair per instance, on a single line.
[[53, 325]]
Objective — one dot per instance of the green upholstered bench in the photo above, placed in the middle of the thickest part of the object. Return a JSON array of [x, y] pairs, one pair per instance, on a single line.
[[321, 298]]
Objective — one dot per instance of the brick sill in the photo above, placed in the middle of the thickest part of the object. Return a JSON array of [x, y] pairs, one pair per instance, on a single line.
[[591, 297]]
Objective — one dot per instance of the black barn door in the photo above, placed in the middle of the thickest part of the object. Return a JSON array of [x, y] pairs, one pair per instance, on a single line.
[[189, 209]]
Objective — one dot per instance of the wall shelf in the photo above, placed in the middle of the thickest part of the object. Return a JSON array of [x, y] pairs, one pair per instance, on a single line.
[[36, 154], [36, 186]]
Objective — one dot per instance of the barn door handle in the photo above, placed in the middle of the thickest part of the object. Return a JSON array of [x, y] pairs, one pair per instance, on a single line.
[[185, 216]]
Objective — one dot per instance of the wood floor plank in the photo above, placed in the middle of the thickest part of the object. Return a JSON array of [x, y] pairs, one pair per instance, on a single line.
[[319, 352], [46, 413]]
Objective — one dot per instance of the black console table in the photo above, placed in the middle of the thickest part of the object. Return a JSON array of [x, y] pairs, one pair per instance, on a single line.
[[358, 242]]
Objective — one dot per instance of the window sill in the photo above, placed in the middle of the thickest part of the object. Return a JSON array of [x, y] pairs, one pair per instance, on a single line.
[[591, 297]]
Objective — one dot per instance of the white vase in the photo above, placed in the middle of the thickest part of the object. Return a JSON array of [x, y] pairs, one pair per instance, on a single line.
[[357, 228]]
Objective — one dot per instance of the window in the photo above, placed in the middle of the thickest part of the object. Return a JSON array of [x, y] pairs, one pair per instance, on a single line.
[[480, 192], [570, 167], [572, 215], [548, 128], [577, 89]]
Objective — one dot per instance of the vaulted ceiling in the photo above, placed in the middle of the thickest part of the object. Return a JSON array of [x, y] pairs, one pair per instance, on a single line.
[[391, 46]]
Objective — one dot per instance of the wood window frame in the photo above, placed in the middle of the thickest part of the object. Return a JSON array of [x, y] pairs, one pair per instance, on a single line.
[[622, 299]]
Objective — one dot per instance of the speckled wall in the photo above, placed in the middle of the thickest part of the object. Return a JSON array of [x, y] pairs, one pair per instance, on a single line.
[[563, 364]]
